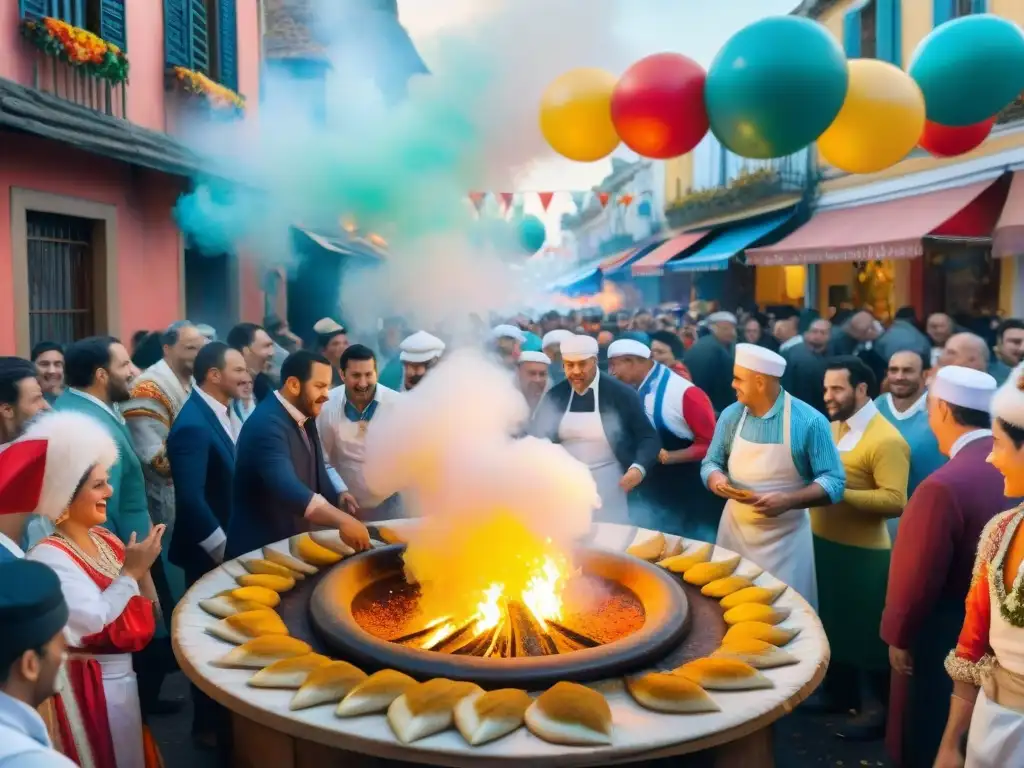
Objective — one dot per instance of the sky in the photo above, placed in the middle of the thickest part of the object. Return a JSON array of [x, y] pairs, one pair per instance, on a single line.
[[604, 33]]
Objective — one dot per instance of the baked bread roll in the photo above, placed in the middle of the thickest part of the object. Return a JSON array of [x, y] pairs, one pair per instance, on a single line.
[[673, 547], [570, 714], [243, 627], [267, 597], [374, 694], [273, 569], [758, 630], [288, 673], [307, 550], [427, 708], [263, 651], [483, 717], [390, 535], [756, 653], [291, 563], [682, 563], [328, 684], [766, 614], [705, 573], [331, 539], [720, 588], [723, 674], [647, 546], [755, 594], [266, 580], [225, 605], [666, 692]]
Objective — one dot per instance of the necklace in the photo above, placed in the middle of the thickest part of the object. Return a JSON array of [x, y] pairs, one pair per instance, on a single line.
[[105, 563]]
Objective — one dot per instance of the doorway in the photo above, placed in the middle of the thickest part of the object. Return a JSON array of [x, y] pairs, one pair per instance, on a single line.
[[210, 290]]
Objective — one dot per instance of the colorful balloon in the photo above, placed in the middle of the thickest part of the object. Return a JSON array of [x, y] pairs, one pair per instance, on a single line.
[[532, 234], [658, 106], [950, 141], [969, 68], [576, 115], [775, 87], [881, 120]]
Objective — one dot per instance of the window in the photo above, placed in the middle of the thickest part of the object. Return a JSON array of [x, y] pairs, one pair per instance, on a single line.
[[105, 18], [868, 31], [60, 278], [202, 35]]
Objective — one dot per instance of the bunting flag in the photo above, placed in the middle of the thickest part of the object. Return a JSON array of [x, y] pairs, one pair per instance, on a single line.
[[478, 199], [545, 199], [603, 198], [625, 200], [506, 199], [578, 199]]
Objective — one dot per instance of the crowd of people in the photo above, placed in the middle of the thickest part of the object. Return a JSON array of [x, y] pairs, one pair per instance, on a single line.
[[864, 466]]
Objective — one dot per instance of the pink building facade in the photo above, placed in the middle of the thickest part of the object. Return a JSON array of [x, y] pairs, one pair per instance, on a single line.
[[90, 170]]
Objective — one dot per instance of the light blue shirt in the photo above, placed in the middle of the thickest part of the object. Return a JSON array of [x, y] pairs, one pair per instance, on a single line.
[[925, 456], [24, 742], [814, 454]]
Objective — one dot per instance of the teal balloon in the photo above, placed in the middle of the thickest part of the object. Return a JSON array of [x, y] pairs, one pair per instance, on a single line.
[[969, 68], [775, 87], [532, 234]]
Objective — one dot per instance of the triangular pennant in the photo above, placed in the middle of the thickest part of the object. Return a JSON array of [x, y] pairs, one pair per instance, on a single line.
[[625, 200], [477, 199], [603, 198], [506, 200], [578, 199], [545, 199]]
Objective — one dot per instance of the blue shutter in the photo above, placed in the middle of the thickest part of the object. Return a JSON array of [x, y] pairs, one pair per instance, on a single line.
[[888, 31], [227, 31], [942, 11], [851, 33], [200, 37], [112, 23], [979, 6], [34, 9], [177, 33]]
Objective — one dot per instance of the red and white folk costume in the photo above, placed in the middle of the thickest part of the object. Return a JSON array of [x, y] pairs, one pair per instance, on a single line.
[[109, 618]]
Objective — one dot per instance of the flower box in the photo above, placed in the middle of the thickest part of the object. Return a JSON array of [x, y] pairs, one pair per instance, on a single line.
[[77, 47], [194, 83]]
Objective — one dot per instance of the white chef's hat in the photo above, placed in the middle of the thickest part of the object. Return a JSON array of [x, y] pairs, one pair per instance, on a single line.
[[965, 387], [507, 332], [534, 357], [722, 317], [555, 338], [628, 348], [1008, 402], [579, 347], [420, 347], [760, 360]]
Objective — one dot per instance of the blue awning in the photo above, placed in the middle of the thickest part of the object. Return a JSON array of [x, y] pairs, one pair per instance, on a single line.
[[714, 257], [581, 282]]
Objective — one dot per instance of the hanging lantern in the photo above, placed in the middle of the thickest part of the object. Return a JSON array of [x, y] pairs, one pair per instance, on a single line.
[[795, 280]]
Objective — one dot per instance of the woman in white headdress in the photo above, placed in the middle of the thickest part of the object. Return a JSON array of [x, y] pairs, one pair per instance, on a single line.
[[106, 584]]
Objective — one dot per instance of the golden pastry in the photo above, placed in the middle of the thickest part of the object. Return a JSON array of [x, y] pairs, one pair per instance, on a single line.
[[276, 583], [267, 597], [672, 548], [570, 714], [288, 673], [225, 605], [263, 651], [390, 535], [291, 563], [331, 539], [682, 563], [328, 684], [427, 708], [723, 674], [720, 588], [272, 569], [307, 550], [483, 717], [758, 630], [704, 573], [243, 627], [374, 694], [763, 595], [649, 548], [757, 653], [766, 614], [666, 692]]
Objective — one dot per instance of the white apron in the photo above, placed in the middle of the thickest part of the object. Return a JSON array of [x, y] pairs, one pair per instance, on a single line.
[[350, 442], [582, 435], [781, 545], [124, 711]]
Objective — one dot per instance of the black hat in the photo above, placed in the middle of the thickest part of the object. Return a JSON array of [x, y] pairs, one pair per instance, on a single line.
[[32, 607]]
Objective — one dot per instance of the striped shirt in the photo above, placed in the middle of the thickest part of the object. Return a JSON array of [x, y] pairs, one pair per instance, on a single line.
[[814, 453]]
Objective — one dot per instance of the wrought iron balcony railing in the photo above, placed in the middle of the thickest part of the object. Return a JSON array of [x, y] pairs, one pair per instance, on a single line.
[[73, 84]]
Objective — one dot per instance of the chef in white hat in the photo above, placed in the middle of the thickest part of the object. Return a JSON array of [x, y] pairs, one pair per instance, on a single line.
[[772, 457], [419, 353], [602, 423], [507, 343], [987, 665], [532, 377], [552, 346]]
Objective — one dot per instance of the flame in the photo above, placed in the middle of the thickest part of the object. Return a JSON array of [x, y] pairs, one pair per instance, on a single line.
[[542, 596], [610, 299]]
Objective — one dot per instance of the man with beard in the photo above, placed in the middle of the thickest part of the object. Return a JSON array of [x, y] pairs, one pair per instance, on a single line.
[[343, 424], [850, 537], [420, 352], [48, 357], [1009, 349], [257, 348], [805, 365], [21, 397], [551, 345], [710, 360], [281, 486], [532, 377]]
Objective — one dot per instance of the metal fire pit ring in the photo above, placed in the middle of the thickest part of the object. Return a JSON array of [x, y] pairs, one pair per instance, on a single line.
[[666, 622]]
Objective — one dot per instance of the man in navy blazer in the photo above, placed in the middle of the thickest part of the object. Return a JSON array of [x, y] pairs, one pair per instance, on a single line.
[[281, 483], [201, 452]]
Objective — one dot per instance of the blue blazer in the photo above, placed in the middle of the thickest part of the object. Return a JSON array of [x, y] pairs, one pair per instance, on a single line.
[[202, 459], [276, 474]]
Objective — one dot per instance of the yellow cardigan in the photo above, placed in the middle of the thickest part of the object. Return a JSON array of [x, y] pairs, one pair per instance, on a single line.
[[876, 488]]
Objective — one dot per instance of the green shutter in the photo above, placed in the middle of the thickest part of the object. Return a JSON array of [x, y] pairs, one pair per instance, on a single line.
[[34, 9], [888, 31], [851, 33], [112, 23], [942, 11], [177, 34], [227, 32], [200, 37]]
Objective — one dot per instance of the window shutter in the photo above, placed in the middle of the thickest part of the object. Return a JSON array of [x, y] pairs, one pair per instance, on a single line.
[[199, 35], [851, 33], [34, 9], [979, 6], [942, 11], [888, 31], [177, 34], [227, 30], [112, 23]]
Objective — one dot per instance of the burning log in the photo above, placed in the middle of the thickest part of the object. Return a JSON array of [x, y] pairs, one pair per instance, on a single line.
[[502, 648], [425, 630], [573, 636], [477, 646], [528, 637], [447, 641]]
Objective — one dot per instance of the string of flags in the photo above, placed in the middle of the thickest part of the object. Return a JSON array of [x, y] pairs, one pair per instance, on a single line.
[[581, 198]]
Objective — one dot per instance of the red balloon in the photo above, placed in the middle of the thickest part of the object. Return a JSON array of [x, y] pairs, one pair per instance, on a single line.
[[658, 106], [950, 141]]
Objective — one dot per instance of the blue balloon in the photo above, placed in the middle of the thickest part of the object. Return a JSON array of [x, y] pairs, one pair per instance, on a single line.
[[969, 68], [775, 87], [532, 234]]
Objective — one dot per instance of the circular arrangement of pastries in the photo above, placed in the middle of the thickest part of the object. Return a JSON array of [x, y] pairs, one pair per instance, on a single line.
[[568, 713]]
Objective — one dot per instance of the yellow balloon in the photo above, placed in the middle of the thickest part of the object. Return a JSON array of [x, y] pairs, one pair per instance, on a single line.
[[881, 121], [576, 115]]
